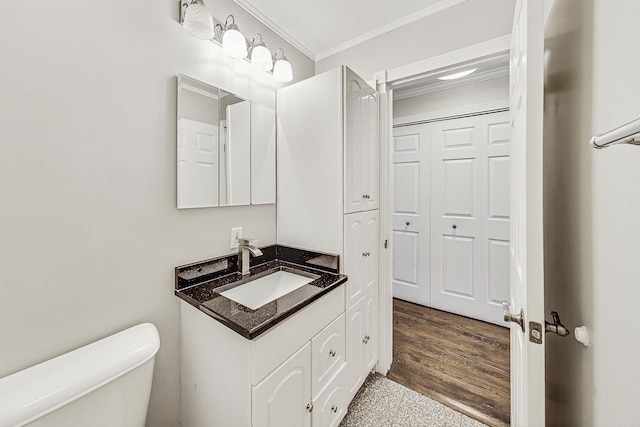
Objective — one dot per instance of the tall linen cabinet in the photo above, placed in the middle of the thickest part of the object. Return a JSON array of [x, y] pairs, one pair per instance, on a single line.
[[328, 186]]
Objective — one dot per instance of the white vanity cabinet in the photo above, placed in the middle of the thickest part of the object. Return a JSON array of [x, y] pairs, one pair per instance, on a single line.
[[292, 375]]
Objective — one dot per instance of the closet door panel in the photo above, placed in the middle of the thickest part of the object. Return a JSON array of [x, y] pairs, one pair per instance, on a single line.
[[410, 223], [456, 209]]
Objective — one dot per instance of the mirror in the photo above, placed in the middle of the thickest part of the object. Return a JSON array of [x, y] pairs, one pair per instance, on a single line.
[[226, 152]]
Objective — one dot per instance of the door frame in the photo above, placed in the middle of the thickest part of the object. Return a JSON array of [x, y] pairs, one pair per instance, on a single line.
[[385, 82]]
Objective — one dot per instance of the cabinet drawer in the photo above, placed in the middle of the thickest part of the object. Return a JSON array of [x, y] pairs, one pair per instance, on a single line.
[[331, 404], [327, 354]]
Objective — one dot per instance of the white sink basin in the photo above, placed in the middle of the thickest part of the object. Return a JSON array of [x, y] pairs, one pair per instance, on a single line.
[[261, 291]]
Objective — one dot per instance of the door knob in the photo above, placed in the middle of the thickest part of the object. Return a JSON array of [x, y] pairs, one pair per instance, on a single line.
[[407, 223], [510, 317], [454, 226]]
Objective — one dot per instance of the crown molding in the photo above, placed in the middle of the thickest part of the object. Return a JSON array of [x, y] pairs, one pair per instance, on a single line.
[[275, 28], [399, 23], [443, 85]]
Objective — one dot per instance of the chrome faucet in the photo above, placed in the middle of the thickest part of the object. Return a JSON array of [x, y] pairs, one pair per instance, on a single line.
[[246, 246]]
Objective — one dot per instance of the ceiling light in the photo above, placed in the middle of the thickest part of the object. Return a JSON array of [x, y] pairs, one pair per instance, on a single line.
[[457, 75], [198, 21], [233, 42], [282, 71], [260, 55]]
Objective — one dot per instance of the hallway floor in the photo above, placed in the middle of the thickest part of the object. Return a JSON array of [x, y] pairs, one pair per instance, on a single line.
[[460, 362]]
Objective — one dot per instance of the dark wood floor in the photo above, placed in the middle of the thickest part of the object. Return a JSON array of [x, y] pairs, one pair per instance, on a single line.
[[460, 362]]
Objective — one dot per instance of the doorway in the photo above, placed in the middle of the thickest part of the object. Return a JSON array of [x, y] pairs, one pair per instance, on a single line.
[[449, 338]]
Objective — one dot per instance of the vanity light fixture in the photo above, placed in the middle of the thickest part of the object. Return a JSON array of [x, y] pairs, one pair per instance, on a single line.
[[457, 75], [282, 71], [197, 20], [233, 42], [260, 55]]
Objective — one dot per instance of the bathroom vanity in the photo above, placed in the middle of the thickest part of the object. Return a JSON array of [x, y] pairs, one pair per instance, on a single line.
[[279, 363], [298, 358]]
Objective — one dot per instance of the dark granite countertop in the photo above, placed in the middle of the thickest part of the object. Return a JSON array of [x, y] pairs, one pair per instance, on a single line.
[[206, 294]]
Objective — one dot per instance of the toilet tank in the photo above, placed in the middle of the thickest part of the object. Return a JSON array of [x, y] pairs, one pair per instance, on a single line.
[[106, 383]]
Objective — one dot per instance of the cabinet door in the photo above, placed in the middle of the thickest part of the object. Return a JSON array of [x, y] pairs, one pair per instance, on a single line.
[[281, 399], [327, 355], [361, 145], [371, 332], [361, 254], [331, 405], [356, 326]]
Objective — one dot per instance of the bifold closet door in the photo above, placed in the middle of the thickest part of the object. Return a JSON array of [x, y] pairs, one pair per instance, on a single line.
[[410, 223], [470, 216]]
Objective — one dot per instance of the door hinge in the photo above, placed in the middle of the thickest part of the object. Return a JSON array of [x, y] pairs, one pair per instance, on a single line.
[[386, 243]]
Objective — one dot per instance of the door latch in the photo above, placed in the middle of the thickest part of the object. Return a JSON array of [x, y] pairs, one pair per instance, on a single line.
[[535, 328], [556, 327]]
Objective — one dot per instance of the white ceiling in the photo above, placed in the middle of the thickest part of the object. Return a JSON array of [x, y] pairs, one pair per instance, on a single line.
[[320, 28]]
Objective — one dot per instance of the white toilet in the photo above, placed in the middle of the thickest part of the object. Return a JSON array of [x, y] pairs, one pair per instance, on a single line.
[[106, 383]]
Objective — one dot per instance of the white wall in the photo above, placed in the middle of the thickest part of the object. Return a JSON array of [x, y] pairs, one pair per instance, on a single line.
[[568, 219], [616, 209], [471, 94], [466, 24], [593, 207], [89, 230]]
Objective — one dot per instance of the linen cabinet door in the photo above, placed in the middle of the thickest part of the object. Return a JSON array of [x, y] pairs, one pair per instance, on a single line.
[[355, 243], [283, 398], [356, 324], [371, 332], [370, 149], [370, 250]]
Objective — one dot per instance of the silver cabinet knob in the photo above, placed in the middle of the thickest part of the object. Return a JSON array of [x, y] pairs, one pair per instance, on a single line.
[[334, 409], [309, 407], [332, 353], [366, 339]]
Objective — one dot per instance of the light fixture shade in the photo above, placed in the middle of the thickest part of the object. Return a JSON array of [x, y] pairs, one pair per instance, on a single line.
[[261, 58], [282, 71], [198, 21], [234, 44], [457, 75]]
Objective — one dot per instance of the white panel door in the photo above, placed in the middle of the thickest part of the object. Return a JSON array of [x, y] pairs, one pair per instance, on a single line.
[[470, 209], [281, 399], [526, 250], [197, 164], [410, 223], [495, 215], [361, 254], [456, 215]]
